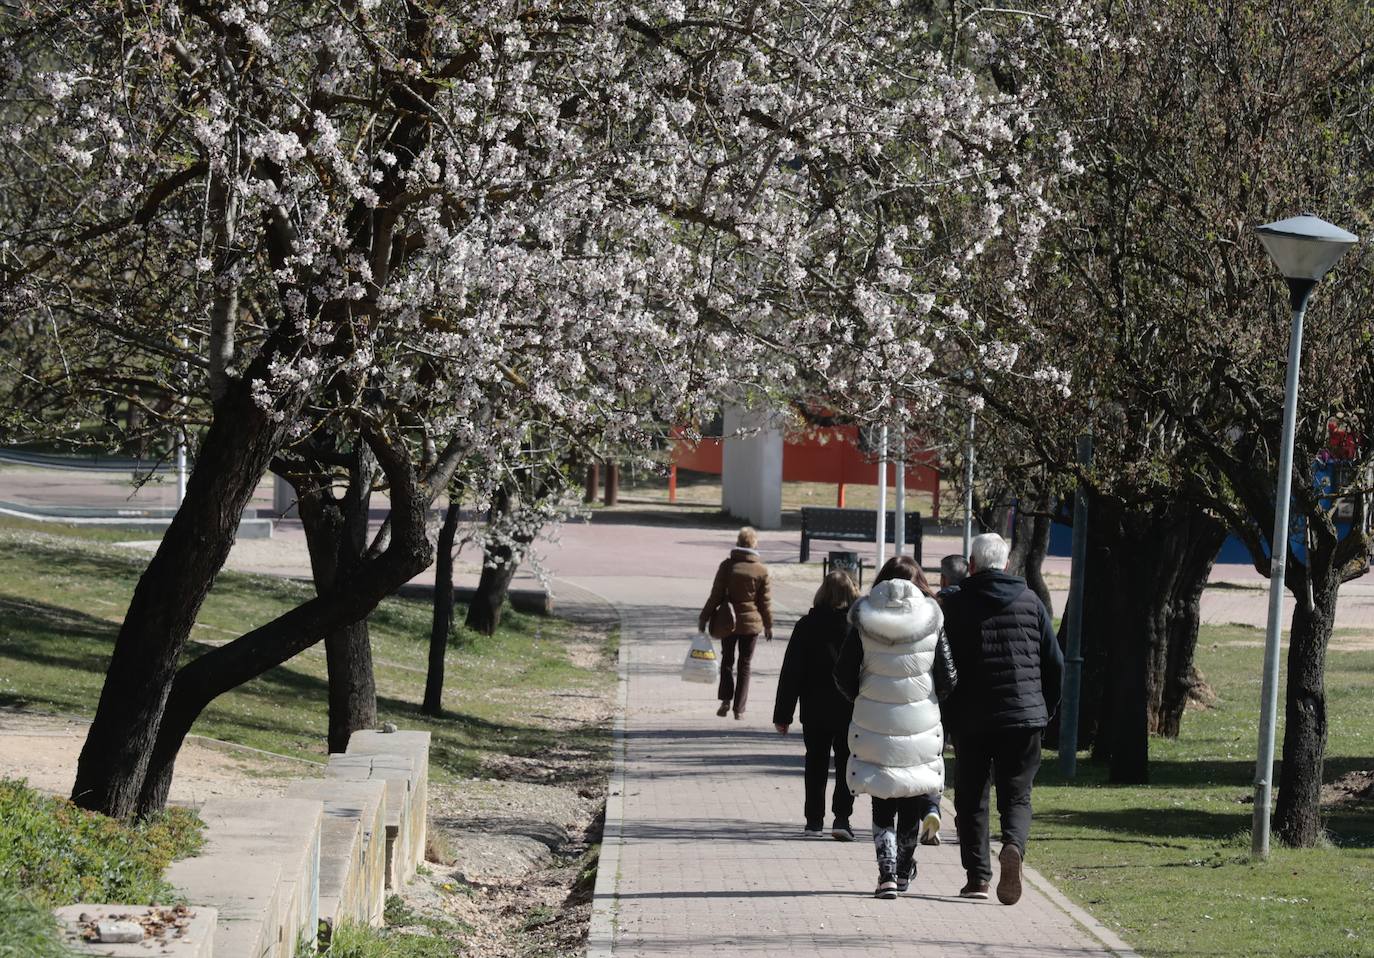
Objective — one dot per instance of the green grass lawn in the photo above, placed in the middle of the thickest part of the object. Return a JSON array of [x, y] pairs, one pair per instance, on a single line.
[[61, 599], [1167, 865]]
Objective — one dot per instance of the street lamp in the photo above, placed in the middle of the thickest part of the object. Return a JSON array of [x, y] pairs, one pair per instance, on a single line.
[[1303, 248], [968, 484]]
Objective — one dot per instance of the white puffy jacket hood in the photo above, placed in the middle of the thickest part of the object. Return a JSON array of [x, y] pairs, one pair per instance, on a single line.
[[895, 739]]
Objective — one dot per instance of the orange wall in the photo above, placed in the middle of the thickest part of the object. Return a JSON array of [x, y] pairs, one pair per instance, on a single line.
[[808, 459]]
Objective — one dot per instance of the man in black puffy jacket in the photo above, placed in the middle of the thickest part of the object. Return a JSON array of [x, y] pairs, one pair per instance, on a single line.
[[1009, 666]]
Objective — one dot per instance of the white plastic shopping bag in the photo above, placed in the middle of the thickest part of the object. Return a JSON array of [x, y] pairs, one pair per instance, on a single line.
[[702, 664]]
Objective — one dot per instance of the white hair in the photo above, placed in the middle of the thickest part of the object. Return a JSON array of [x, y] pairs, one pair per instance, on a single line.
[[988, 552]]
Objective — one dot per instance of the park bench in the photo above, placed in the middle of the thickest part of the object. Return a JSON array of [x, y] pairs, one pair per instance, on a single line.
[[853, 525]]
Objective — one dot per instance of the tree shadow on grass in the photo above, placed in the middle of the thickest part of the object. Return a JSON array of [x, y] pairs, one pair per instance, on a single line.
[[286, 703], [1155, 826]]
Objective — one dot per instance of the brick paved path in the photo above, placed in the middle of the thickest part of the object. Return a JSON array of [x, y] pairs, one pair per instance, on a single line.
[[703, 853]]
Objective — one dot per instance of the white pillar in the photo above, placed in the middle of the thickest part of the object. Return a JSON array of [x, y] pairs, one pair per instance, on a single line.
[[882, 497], [283, 498], [751, 466]]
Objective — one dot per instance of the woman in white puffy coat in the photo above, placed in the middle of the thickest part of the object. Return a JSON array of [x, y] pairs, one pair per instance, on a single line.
[[896, 667]]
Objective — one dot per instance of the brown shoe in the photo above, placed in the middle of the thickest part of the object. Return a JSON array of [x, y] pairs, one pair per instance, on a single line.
[[1009, 881], [975, 889], [724, 708]]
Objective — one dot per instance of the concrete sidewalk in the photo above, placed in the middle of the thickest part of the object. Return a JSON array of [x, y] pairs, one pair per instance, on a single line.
[[703, 851]]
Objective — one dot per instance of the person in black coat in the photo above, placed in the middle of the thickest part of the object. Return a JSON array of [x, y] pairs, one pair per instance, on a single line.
[[1009, 666], [807, 675]]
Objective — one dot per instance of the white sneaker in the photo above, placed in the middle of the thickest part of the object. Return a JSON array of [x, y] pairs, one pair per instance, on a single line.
[[930, 829]]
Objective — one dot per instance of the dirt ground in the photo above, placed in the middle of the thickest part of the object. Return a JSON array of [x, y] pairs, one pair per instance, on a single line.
[[512, 854], [44, 749], [1353, 788]]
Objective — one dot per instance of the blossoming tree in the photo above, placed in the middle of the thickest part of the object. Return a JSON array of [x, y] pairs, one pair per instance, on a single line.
[[374, 241]]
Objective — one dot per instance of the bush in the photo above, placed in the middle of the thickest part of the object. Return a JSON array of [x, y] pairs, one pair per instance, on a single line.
[[27, 929], [61, 854]]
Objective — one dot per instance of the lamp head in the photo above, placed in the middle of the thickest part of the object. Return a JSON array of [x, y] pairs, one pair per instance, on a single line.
[[1305, 247]]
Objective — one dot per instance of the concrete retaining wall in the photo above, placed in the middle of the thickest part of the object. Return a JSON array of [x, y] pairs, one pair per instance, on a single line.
[[275, 873], [382, 747], [352, 849]]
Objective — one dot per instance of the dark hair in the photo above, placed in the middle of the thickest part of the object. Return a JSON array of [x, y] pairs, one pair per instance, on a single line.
[[837, 591], [954, 568], [904, 567]]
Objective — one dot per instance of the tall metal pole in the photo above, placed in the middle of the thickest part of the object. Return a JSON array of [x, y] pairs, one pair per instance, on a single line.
[[1073, 655], [1298, 292], [882, 497], [899, 497], [968, 485]]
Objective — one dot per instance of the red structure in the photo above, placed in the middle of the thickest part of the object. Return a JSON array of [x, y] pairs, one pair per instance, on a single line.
[[824, 454]]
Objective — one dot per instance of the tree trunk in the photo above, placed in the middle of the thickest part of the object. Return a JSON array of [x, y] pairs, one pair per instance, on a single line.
[[231, 460], [355, 593], [1196, 539], [443, 612], [1021, 527], [1150, 566], [336, 534], [1117, 621], [352, 684], [1031, 535], [498, 569], [1035, 560], [1297, 812]]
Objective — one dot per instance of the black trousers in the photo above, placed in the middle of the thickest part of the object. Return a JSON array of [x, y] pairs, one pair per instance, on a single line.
[[904, 815], [1009, 759], [821, 743]]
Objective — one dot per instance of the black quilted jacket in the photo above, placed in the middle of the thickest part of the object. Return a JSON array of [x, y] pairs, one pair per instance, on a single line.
[[1006, 653]]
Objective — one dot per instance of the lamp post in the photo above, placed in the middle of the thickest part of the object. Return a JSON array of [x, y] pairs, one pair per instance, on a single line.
[[899, 496], [1072, 682], [882, 497], [1303, 248], [968, 485]]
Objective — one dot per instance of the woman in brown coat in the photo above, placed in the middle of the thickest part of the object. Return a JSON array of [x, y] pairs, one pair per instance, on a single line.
[[742, 580]]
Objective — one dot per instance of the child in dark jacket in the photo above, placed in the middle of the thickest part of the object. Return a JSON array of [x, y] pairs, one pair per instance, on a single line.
[[808, 674]]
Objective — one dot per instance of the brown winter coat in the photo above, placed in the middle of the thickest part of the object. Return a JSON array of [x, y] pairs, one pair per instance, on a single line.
[[743, 578]]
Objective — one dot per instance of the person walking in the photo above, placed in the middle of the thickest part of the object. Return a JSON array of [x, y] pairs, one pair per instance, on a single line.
[[1009, 666], [895, 666], [808, 670], [953, 570], [742, 581]]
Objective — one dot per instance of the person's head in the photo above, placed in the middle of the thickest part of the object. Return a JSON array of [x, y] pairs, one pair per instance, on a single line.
[[837, 591], [748, 538], [953, 568], [904, 567], [988, 553]]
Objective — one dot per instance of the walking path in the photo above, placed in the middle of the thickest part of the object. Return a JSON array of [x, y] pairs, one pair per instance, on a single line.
[[703, 851]]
